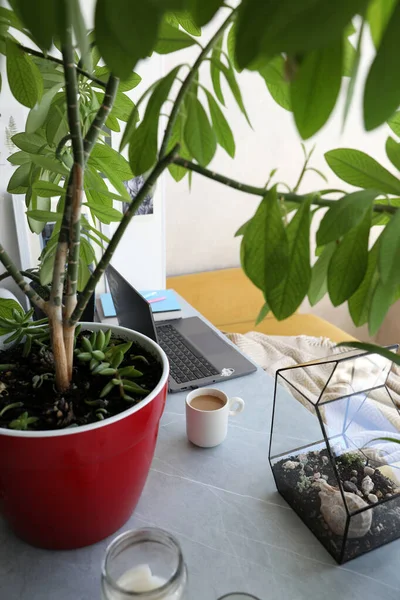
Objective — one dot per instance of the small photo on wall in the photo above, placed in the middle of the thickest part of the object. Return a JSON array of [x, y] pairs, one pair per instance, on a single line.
[[133, 186]]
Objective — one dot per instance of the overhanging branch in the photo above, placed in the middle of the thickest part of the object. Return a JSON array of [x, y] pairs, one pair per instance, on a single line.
[[259, 191], [59, 61]]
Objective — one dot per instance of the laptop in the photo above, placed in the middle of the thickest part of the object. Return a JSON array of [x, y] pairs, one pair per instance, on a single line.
[[197, 355]]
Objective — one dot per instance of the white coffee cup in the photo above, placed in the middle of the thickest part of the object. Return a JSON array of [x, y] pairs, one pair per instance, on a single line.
[[207, 422]]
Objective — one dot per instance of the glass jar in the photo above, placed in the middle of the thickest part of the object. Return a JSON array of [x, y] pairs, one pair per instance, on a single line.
[[144, 564], [238, 596]]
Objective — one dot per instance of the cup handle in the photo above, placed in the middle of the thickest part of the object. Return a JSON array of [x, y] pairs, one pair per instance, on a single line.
[[239, 406]]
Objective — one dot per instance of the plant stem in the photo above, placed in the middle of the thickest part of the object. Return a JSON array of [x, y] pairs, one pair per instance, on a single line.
[[259, 191], [28, 274], [101, 116], [188, 80], [72, 212], [302, 173], [59, 61], [13, 271], [161, 165]]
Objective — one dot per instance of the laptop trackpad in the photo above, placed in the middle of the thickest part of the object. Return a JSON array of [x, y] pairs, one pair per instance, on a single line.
[[208, 342], [202, 337]]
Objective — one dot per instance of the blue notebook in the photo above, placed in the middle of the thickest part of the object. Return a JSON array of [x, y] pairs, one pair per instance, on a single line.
[[170, 304]]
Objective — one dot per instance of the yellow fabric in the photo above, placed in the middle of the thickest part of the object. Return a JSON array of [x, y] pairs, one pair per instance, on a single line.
[[231, 302]]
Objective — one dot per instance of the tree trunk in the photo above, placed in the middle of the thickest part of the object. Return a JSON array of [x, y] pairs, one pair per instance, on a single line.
[[59, 352]]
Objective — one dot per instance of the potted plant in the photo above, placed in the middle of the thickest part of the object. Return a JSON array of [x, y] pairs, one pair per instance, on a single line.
[[68, 486]]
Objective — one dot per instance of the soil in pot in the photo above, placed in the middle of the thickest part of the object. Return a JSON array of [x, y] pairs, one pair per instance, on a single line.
[[298, 479], [29, 399]]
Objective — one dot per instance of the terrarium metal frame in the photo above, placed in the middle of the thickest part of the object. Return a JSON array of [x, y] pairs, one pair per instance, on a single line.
[[314, 478]]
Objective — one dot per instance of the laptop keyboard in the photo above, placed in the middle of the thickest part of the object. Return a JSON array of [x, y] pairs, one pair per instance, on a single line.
[[184, 365]]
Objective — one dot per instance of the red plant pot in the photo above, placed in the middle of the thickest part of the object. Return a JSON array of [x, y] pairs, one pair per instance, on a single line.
[[73, 487]]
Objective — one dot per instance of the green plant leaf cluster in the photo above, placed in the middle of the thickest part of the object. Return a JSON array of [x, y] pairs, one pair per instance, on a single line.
[[18, 326], [105, 358], [305, 51]]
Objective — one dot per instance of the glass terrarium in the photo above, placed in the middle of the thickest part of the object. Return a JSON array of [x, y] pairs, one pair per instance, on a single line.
[[335, 449]]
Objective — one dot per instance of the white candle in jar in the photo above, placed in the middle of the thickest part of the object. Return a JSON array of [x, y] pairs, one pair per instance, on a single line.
[[141, 579]]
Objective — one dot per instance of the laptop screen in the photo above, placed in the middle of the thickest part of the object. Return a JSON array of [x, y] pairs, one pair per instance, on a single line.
[[133, 311]]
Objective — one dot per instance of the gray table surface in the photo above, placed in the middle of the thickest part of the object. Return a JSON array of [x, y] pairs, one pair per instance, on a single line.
[[235, 530]]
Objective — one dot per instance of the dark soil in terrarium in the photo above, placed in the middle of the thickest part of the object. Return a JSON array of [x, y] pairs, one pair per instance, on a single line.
[[296, 478], [80, 405]]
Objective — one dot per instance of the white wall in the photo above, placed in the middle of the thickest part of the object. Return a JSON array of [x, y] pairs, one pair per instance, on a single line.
[[201, 223]]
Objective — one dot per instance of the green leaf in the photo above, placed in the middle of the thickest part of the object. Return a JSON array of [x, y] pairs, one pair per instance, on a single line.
[[353, 73], [44, 216], [113, 165], [126, 32], [56, 122], [349, 262], [393, 152], [37, 203], [318, 285], [130, 82], [23, 76], [316, 87], [177, 136], [46, 189], [81, 34], [230, 77], [394, 123], [383, 297], [19, 158], [105, 214], [378, 15], [20, 180], [389, 253], [40, 18], [8, 18], [273, 73], [221, 126], [106, 195], [373, 349], [265, 250], [143, 140], [37, 115], [203, 10], [112, 123], [143, 147], [199, 135], [83, 274], [7, 306], [170, 39], [86, 252], [29, 142], [359, 303], [184, 19], [242, 228], [270, 27], [122, 107], [287, 297], [125, 85], [231, 43], [349, 56], [215, 72], [345, 214], [96, 190], [262, 314], [50, 164], [382, 90], [359, 169]]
